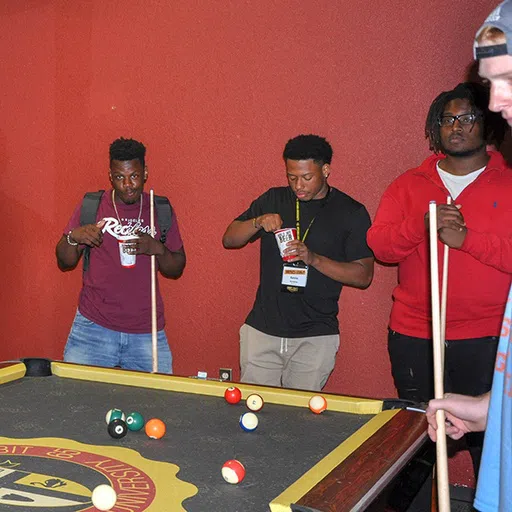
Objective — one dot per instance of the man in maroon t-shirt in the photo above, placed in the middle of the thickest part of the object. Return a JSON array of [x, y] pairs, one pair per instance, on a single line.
[[112, 326]]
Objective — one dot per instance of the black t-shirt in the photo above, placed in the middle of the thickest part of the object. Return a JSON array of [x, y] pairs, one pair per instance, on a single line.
[[338, 232]]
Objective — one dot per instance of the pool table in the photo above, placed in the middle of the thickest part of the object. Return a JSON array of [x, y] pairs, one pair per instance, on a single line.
[[55, 447]]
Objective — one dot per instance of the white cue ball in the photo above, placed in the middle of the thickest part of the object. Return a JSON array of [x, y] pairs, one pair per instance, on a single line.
[[104, 497]]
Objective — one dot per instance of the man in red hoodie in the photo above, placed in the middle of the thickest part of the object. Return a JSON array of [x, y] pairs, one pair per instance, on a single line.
[[477, 226]]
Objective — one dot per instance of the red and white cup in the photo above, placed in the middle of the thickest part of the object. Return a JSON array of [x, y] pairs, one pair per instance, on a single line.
[[127, 250], [283, 237]]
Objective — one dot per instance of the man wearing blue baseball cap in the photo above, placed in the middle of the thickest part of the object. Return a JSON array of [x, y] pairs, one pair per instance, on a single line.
[[492, 411]]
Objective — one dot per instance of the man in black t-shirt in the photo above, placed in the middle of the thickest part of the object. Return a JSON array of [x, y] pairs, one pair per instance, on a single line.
[[291, 335]]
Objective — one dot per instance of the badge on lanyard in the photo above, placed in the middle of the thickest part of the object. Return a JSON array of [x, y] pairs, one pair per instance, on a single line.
[[295, 277]]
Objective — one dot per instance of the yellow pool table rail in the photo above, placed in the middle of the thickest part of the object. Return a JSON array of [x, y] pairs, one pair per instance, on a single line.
[[280, 396]]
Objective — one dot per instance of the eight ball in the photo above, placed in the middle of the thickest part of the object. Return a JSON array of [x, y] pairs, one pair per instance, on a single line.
[[117, 429]]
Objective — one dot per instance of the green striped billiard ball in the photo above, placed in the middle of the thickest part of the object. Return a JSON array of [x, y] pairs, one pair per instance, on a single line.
[[114, 414]]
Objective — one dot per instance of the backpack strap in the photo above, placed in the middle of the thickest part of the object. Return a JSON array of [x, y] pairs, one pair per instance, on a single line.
[[90, 205], [164, 216]]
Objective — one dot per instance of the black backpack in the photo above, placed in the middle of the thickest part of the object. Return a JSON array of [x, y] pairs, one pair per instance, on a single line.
[[90, 205]]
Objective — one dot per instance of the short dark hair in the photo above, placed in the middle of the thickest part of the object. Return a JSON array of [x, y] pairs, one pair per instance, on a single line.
[[308, 147], [127, 149], [494, 126]]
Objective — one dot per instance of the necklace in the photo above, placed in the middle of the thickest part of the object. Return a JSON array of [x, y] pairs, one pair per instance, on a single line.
[[115, 207]]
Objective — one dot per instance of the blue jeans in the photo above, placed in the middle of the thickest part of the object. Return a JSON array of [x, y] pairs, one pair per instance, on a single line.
[[90, 344]]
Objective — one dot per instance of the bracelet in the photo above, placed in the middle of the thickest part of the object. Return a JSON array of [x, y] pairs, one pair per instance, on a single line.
[[68, 238], [254, 224]]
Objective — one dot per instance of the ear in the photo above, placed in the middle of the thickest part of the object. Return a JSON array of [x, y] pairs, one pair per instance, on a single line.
[[326, 170], [145, 174]]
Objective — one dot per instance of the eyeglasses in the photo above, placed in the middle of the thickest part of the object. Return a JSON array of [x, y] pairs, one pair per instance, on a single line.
[[464, 120]]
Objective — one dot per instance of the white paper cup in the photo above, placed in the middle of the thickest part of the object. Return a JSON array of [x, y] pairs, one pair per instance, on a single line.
[[283, 236], [126, 248]]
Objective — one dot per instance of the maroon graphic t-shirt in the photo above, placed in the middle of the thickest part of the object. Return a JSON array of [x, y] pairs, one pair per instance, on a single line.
[[114, 296]]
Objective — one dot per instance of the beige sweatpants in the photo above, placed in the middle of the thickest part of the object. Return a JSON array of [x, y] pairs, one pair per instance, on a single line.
[[298, 363]]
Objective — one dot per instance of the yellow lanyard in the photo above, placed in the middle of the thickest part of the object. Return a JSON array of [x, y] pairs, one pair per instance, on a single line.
[[297, 222]]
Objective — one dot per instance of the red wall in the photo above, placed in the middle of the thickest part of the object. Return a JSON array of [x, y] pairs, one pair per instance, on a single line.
[[214, 89]]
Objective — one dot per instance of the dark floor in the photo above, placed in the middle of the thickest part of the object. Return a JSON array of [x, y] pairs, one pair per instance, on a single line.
[[461, 499], [411, 490]]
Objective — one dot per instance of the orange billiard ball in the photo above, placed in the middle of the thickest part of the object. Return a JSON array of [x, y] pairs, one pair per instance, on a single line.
[[318, 404], [155, 428]]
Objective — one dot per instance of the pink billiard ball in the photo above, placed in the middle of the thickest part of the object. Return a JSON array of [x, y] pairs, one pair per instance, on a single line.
[[233, 471], [318, 404], [233, 395]]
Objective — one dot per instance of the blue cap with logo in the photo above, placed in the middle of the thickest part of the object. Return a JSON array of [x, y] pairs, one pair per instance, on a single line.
[[500, 18]]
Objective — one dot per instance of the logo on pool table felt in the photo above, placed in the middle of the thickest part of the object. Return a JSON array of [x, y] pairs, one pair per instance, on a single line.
[[45, 478]]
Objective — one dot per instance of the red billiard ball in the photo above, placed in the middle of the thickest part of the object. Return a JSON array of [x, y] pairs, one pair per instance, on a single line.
[[233, 395], [318, 404], [155, 428], [233, 471]]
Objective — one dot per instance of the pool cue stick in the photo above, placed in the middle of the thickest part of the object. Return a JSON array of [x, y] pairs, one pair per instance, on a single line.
[[443, 487], [444, 289], [154, 336]]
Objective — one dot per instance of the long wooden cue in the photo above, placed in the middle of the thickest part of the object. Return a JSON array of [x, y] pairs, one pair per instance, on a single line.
[[154, 335], [443, 487], [444, 293], [444, 290]]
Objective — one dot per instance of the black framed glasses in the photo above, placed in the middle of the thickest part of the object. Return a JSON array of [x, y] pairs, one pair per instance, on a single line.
[[464, 119]]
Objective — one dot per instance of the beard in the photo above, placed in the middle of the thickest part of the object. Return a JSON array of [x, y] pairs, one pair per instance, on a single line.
[[462, 153]]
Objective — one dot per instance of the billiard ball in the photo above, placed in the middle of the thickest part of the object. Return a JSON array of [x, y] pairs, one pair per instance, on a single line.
[[233, 471], [254, 402], [117, 428], [233, 395], [114, 414], [155, 428], [134, 421], [248, 421], [318, 404], [104, 497]]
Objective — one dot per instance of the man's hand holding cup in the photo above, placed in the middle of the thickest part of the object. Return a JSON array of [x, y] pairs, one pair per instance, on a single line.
[[298, 251]]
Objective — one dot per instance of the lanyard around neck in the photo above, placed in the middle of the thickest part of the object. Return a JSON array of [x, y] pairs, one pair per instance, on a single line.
[[297, 216], [297, 222]]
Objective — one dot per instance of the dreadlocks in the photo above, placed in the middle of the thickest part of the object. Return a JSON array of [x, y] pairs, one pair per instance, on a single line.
[[494, 126]]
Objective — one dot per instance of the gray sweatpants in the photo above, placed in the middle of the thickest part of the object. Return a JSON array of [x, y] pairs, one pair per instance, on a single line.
[[298, 363]]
